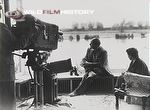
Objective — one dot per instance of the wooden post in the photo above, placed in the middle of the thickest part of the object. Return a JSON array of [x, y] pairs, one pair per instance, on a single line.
[[71, 85], [6, 8], [2, 16], [117, 100], [19, 5]]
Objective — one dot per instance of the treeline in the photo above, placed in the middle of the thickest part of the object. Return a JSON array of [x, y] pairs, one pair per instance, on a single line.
[[98, 26]]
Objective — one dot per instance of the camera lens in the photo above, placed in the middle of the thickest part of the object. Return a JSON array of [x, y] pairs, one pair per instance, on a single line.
[[13, 13]]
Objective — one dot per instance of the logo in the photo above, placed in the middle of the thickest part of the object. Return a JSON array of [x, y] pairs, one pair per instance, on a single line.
[[60, 12]]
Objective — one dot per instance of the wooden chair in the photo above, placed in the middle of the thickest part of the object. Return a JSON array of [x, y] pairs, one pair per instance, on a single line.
[[137, 90]]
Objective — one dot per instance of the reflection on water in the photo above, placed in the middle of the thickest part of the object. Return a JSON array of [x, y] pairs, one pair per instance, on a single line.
[[75, 48]]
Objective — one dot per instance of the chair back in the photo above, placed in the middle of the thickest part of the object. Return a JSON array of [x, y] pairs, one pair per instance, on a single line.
[[60, 66], [137, 81]]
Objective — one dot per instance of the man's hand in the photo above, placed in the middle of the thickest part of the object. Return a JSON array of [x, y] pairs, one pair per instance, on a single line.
[[82, 64], [86, 63]]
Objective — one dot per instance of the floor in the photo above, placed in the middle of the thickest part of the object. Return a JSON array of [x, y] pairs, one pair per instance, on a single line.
[[84, 102]]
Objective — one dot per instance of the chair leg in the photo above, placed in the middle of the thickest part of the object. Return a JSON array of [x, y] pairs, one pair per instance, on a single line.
[[143, 102]]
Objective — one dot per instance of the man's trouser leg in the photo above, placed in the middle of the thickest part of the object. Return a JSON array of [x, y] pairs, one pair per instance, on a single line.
[[81, 89]]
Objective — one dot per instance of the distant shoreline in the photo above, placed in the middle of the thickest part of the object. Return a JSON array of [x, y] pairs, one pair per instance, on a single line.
[[105, 33], [109, 31]]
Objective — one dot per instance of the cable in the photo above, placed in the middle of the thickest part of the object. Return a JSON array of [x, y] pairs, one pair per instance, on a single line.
[[30, 72], [31, 104]]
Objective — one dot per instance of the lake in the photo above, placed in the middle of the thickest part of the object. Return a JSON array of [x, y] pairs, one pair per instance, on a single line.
[[116, 48]]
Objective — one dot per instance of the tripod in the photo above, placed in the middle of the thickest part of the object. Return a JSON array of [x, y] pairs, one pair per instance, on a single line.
[[37, 61], [45, 82]]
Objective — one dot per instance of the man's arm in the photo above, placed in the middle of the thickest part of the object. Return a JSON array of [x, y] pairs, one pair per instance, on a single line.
[[84, 60], [103, 60]]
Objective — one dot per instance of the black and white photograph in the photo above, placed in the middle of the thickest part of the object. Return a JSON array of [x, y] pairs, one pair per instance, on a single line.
[[74, 55]]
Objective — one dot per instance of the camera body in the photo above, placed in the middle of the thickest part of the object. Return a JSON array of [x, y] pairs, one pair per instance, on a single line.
[[32, 33]]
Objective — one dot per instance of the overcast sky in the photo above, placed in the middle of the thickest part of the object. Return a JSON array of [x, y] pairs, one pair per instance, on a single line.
[[107, 12]]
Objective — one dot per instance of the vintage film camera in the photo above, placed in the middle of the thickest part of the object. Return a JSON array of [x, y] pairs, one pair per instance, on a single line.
[[32, 33]]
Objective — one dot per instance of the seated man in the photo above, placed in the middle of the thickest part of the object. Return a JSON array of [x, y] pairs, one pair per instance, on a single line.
[[136, 66], [95, 63]]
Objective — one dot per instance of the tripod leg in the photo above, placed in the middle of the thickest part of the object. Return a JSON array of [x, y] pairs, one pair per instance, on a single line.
[[117, 100], [35, 89], [41, 89]]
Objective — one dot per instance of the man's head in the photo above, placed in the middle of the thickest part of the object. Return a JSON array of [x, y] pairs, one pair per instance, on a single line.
[[132, 53], [95, 43]]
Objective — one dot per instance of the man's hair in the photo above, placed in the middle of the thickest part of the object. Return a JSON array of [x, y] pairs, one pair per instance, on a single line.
[[132, 52], [96, 42]]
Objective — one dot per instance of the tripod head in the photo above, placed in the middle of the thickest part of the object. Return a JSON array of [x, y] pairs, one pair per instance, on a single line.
[[37, 60]]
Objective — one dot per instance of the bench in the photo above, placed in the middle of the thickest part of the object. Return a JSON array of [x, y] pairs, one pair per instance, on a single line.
[[100, 84], [137, 90], [24, 89]]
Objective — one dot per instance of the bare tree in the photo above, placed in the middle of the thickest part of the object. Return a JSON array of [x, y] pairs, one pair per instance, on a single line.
[[91, 26], [75, 26], [83, 26], [140, 25], [146, 25], [115, 26], [129, 25], [122, 26], [99, 26]]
